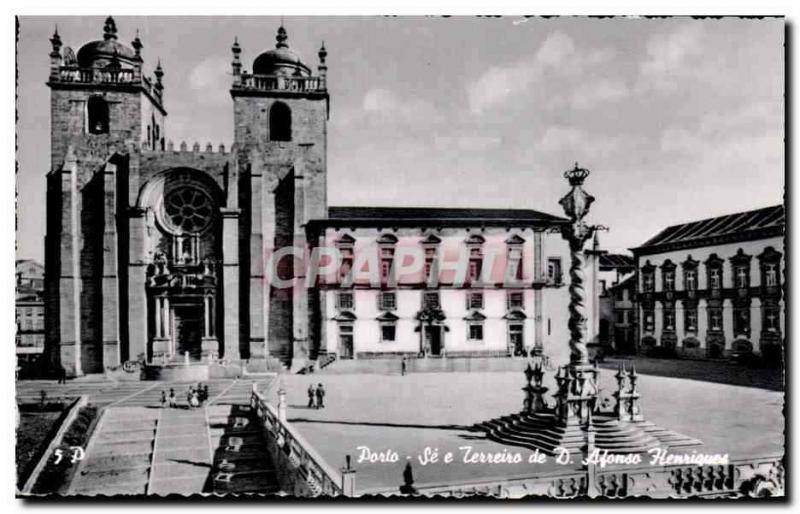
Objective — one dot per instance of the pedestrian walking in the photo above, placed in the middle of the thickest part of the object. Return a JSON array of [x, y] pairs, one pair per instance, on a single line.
[[194, 401], [173, 402], [312, 393], [320, 397], [62, 375], [403, 367], [189, 395], [163, 399], [205, 393]]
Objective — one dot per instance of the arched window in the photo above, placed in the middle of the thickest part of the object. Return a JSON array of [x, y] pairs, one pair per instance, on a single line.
[[98, 115], [280, 122]]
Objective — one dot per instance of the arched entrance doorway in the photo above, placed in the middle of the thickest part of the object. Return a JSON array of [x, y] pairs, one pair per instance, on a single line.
[[183, 290]]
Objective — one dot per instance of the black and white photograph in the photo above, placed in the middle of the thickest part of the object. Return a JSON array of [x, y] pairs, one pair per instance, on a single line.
[[404, 257]]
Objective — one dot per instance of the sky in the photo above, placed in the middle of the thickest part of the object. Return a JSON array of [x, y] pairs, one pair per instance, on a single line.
[[678, 119]]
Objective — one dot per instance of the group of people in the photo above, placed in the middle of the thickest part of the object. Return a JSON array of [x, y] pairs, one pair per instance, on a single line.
[[195, 396], [316, 397]]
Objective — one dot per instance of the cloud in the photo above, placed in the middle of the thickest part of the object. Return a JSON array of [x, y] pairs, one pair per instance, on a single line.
[[209, 80], [598, 92], [384, 109], [557, 58], [467, 143], [667, 58]]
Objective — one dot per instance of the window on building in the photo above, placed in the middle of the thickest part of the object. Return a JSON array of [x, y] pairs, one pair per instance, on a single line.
[[97, 114], [388, 332], [387, 301], [649, 319], [516, 300], [554, 275], [669, 281], [715, 319], [690, 319], [386, 269], [715, 278], [770, 274], [515, 261], [742, 277], [771, 319], [430, 300], [280, 122], [474, 300], [648, 282], [475, 264], [476, 331], [669, 319], [346, 301], [690, 280], [618, 295], [741, 321], [346, 266], [620, 317]]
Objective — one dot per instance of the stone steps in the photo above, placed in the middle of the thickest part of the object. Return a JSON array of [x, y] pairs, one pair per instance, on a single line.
[[543, 431], [118, 456]]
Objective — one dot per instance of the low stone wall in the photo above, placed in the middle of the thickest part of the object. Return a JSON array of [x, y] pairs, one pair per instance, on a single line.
[[755, 477]]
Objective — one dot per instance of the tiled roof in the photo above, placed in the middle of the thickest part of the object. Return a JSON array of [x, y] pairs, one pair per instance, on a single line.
[[742, 225], [627, 282], [439, 214], [616, 260]]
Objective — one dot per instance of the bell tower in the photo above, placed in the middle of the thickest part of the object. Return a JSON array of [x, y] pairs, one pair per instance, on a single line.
[[280, 122], [103, 111]]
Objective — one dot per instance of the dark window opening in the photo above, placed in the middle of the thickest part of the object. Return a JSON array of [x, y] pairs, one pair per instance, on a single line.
[[280, 122], [98, 115]]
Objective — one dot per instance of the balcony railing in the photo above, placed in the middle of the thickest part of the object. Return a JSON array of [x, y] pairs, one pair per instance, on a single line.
[[77, 75], [281, 83]]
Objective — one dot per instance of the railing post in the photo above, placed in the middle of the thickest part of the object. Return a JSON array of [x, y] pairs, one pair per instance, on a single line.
[[282, 405], [348, 479]]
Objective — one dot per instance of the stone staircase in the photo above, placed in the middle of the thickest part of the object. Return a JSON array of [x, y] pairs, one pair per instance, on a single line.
[[139, 448], [541, 430], [118, 457], [241, 463]]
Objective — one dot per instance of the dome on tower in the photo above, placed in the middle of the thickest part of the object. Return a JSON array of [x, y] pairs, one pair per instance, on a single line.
[[281, 60], [105, 51]]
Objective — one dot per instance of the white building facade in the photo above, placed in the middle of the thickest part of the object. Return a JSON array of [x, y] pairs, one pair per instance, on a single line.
[[714, 288], [450, 283]]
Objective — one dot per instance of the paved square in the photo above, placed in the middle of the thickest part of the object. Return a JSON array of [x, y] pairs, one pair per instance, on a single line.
[[408, 413]]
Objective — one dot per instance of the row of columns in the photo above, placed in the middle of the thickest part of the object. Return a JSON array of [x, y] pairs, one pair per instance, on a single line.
[[163, 318], [162, 313]]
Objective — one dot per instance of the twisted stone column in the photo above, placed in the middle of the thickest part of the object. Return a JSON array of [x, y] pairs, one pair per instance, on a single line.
[[579, 355]]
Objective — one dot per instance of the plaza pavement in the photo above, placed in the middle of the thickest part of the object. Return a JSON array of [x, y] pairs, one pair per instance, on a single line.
[[408, 413]]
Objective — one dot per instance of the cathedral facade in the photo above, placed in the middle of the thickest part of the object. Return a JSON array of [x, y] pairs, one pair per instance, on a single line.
[[163, 254]]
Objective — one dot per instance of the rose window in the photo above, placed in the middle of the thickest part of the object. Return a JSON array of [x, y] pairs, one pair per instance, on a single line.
[[188, 209]]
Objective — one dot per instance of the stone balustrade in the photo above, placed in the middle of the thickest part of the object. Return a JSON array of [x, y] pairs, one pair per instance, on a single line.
[[281, 83], [307, 466]]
